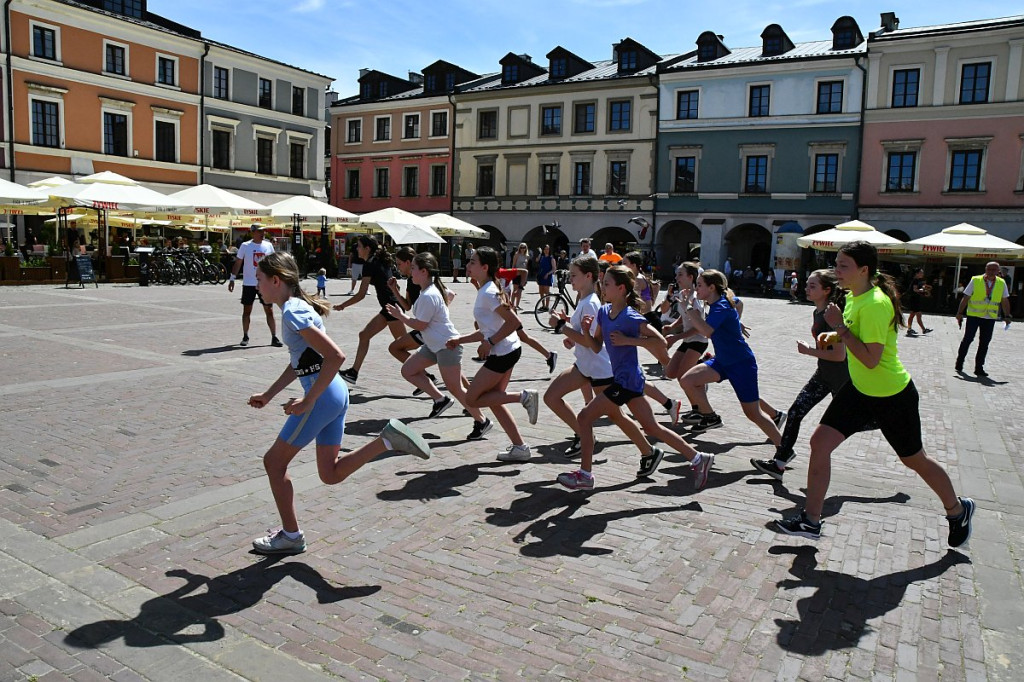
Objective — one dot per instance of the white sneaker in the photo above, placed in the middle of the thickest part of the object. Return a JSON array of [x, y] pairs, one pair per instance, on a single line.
[[515, 453], [404, 439], [279, 543], [531, 401]]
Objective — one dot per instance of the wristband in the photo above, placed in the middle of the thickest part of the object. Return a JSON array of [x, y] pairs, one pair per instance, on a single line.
[[232, 278], [488, 340]]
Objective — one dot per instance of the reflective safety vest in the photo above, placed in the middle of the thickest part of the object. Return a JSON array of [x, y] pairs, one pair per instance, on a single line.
[[983, 305]]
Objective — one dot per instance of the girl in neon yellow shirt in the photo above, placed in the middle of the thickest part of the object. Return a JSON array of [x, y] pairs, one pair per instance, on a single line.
[[879, 388]]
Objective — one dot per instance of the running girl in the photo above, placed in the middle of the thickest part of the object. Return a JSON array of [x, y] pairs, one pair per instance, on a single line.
[[496, 333], [693, 345], [591, 369], [320, 413], [378, 269], [830, 376], [620, 328], [431, 322], [733, 359], [879, 389]]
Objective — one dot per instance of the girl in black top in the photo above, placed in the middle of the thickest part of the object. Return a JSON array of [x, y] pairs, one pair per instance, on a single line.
[[378, 270]]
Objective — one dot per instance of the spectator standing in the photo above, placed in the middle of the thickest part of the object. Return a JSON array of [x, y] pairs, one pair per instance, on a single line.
[[982, 299], [247, 260], [585, 250], [456, 261], [609, 256]]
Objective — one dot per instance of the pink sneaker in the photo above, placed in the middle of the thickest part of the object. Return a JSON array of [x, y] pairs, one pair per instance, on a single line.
[[575, 480]]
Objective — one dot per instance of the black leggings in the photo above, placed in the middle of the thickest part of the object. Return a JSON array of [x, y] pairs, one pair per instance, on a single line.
[[813, 392]]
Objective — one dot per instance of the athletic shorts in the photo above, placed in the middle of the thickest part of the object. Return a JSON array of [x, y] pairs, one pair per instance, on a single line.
[[325, 422], [503, 363], [388, 317], [250, 294], [416, 336], [446, 357], [742, 376], [699, 346], [897, 416], [619, 395], [598, 383]]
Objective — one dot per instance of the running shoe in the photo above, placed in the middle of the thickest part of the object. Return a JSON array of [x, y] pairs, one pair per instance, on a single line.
[[515, 453], [649, 463], [576, 480], [701, 471], [690, 418], [574, 448], [927, 330], [404, 439], [531, 401], [799, 525], [960, 526], [477, 358], [911, 332], [440, 406], [349, 375], [676, 411], [706, 423], [245, 340], [780, 419], [279, 543], [768, 467], [978, 371], [552, 359], [479, 429], [276, 342]]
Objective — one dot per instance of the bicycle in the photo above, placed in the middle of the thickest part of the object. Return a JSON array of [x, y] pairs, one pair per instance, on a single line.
[[562, 302]]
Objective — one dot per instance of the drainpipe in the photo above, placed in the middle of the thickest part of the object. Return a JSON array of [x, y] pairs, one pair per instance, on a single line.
[[10, 88], [202, 113], [451, 155], [860, 135], [657, 123]]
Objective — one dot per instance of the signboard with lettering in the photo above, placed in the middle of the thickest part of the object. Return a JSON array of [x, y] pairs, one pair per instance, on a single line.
[[80, 270]]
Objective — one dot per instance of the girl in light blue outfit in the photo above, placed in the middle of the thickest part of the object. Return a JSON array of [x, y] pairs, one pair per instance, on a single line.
[[320, 413]]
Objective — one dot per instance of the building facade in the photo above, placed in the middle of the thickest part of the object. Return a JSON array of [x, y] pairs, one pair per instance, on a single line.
[[944, 128], [393, 142], [107, 85], [550, 154], [757, 145]]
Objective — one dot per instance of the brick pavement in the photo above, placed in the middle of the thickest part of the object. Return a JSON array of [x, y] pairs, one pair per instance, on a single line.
[[131, 485]]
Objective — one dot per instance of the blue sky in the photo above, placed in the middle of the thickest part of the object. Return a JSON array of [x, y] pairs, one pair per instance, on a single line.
[[338, 37]]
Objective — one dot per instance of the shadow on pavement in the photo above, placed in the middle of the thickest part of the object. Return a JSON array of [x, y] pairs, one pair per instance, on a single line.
[[434, 485], [543, 496], [566, 535], [174, 618], [832, 505], [836, 616], [196, 352]]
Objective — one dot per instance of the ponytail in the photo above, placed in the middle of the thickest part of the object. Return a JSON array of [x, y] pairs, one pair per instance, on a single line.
[[888, 286], [428, 261]]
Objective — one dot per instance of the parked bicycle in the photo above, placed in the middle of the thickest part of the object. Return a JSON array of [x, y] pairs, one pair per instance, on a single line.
[[562, 302]]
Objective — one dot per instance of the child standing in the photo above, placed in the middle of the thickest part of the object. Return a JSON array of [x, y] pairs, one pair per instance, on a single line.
[[321, 283], [620, 328], [879, 389], [496, 334], [320, 413]]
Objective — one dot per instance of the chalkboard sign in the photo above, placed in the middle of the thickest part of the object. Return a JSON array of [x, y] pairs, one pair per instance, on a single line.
[[82, 272]]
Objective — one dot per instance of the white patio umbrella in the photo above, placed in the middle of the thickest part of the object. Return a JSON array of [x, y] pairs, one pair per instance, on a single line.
[[403, 227], [52, 181], [450, 226], [110, 191], [210, 200], [965, 240], [852, 231], [310, 209], [15, 194]]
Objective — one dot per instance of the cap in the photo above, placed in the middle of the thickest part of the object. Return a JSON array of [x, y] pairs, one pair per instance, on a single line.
[[256, 226]]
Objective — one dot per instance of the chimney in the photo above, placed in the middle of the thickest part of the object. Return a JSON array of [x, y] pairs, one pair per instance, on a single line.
[[890, 22], [363, 72], [331, 96], [526, 58], [416, 78]]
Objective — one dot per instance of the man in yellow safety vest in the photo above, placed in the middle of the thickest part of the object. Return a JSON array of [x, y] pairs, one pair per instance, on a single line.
[[982, 298]]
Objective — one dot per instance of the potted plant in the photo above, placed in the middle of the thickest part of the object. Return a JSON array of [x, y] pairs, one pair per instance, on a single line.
[[35, 270], [58, 262], [10, 264]]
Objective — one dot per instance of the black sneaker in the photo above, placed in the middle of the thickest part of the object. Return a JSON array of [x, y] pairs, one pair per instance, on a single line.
[[927, 330], [960, 526], [477, 358], [768, 467], [706, 423], [978, 371], [690, 418], [799, 525], [552, 359], [349, 375], [440, 406], [649, 463], [780, 419], [245, 340], [276, 342], [479, 429], [574, 448]]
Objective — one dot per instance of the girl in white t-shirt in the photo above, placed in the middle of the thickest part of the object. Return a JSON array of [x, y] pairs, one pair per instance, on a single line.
[[591, 368], [498, 341], [430, 318], [693, 345]]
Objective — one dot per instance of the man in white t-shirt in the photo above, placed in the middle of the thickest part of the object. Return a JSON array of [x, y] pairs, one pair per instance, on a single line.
[[585, 250], [247, 259]]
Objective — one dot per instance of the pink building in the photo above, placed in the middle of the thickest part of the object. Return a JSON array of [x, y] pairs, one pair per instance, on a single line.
[[944, 128]]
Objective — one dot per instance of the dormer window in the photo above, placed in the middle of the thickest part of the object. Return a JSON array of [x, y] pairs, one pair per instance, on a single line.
[[846, 34], [775, 41], [510, 73], [449, 82], [772, 45], [705, 53], [844, 39], [430, 82], [382, 89], [710, 47], [365, 91], [559, 67], [627, 60]]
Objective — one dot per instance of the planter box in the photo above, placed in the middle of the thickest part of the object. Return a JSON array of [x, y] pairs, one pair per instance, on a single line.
[[10, 267], [131, 272], [115, 268], [58, 267], [35, 274]]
